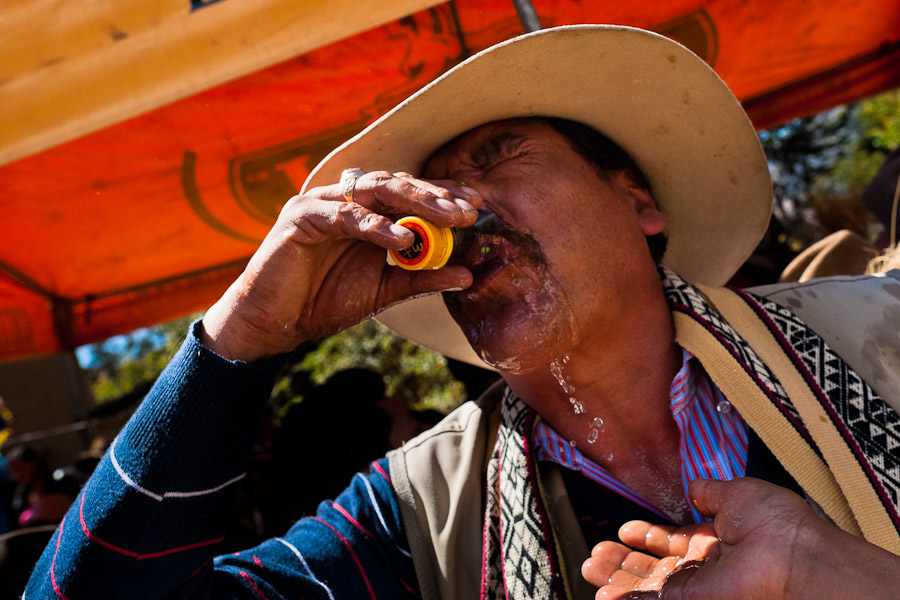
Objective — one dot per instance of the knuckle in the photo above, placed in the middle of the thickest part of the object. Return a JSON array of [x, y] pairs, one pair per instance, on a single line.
[[293, 203], [297, 208], [346, 211], [428, 189], [297, 231], [424, 191], [420, 194], [378, 176], [316, 192], [368, 221], [443, 193]]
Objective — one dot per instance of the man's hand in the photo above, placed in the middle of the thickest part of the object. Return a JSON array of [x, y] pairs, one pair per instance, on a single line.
[[322, 266], [765, 542]]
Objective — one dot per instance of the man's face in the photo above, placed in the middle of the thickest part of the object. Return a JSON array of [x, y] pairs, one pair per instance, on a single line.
[[553, 270]]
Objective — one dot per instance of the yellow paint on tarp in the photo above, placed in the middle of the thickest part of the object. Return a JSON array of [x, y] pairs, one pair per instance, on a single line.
[[71, 68]]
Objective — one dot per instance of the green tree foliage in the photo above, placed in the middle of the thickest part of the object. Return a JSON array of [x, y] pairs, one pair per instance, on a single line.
[[126, 363], [122, 364], [880, 116], [821, 164], [417, 375]]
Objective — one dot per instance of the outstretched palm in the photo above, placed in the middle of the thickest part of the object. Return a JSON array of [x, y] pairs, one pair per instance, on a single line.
[[745, 553]]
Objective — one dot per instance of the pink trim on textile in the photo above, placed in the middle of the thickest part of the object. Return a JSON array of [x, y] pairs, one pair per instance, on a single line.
[[539, 502], [500, 517], [484, 538]]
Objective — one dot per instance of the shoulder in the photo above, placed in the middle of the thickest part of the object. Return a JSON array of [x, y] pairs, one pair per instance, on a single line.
[[882, 287], [857, 317], [436, 471], [835, 305], [457, 436]]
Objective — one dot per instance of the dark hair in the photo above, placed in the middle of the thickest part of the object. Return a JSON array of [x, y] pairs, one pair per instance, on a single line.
[[607, 157]]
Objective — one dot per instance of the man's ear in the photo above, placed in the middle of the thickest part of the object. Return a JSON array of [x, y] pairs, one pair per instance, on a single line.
[[650, 218]]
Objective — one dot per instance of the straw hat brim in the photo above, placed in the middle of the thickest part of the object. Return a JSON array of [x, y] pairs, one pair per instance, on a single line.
[[655, 98]]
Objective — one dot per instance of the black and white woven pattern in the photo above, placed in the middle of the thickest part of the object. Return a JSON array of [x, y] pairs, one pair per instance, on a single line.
[[683, 297], [491, 559], [514, 511], [868, 423]]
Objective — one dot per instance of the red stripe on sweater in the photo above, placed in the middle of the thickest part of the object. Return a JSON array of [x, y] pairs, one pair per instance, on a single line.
[[255, 589], [352, 553], [341, 510], [53, 562], [380, 470], [136, 555], [200, 568], [408, 588]]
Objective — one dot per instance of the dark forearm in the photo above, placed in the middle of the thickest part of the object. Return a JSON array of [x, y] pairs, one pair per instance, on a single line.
[[838, 564]]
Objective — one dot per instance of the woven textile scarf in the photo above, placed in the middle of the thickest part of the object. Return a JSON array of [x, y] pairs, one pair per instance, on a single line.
[[519, 560], [520, 557]]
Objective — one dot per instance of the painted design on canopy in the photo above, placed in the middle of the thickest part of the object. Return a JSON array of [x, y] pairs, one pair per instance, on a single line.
[[152, 217]]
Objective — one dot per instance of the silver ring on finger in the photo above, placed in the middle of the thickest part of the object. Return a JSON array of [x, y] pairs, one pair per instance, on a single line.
[[348, 182]]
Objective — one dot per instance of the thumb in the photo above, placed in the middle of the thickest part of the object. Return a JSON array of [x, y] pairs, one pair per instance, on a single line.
[[684, 583], [400, 285], [737, 505], [707, 495]]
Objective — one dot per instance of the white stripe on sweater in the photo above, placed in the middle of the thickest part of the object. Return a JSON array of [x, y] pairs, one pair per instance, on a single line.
[[306, 566], [159, 498], [378, 512]]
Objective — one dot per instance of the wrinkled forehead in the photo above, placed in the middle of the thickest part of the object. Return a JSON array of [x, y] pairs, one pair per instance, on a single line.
[[492, 134]]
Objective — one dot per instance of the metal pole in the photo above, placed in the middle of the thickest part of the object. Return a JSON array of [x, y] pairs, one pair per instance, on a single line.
[[527, 15]]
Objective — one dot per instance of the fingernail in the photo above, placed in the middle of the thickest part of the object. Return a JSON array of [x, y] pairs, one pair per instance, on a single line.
[[401, 231], [469, 191], [465, 205], [448, 205]]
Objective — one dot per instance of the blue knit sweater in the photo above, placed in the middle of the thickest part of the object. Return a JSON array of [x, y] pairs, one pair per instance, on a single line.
[[149, 521]]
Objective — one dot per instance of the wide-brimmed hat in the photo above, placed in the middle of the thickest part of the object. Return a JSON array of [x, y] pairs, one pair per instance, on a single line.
[[655, 98]]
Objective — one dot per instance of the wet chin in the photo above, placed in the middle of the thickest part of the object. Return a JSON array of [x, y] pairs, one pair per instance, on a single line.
[[519, 352], [517, 337]]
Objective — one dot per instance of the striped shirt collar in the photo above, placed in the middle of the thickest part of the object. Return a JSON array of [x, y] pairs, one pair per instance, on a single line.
[[713, 438]]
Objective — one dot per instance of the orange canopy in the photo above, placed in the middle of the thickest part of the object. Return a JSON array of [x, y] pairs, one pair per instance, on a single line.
[[152, 217]]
